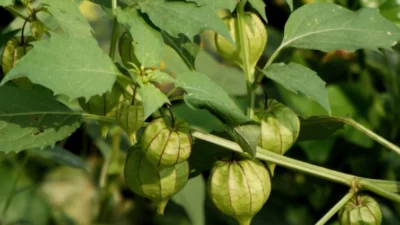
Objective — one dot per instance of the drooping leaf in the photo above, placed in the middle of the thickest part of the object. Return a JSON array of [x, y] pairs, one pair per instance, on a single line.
[[186, 49], [328, 27], [290, 3], [217, 4], [69, 18], [152, 99], [161, 77], [6, 2], [62, 156], [318, 127], [187, 18], [298, 78], [75, 67], [147, 41], [246, 136], [30, 119], [203, 93], [259, 5], [192, 198]]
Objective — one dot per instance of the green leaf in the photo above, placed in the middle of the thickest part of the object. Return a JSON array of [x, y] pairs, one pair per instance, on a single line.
[[69, 18], [161, 77], [203, 93], [298, 78], [328, 27], [290, 3], [186, 49], [6, 2], [217, 4], [187, 18], [318, 127], [62, 156], [246, 136], [147, 42], [192, 198], [75, 67], [152, 99], [32, 120], [259, 5]]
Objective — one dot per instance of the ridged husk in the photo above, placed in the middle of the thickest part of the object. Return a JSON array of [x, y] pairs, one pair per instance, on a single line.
[[165, 146], [256, 40], [126, 50], [239, 188], [130, 118], [360, 210], [280, 127], [151, 182], [37, 28], [13, 51]]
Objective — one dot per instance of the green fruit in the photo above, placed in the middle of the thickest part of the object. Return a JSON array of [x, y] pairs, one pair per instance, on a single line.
[[280, 127], [360, 210], [239, 188], [13, 51], [37, 28], [130, 118], [126, 51], [158, 185], [104, 105], [256, 38], [165, 146]]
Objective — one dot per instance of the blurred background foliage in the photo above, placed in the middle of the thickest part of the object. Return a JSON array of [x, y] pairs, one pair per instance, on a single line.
[[67, 184]]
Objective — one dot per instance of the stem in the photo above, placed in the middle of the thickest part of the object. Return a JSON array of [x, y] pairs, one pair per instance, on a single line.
[[370, 134], [14, 185], [114, 33], [336, 208], [248, 71], [15, 12], [335, 176]]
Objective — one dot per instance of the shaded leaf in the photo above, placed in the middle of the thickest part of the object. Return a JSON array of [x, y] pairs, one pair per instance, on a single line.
[[69, 18], [259, 5], [152, 99], [75, 67], [187, 18], [203, 93], [161, 77], [186, 49], [33, 120], [217, 4], [62, 156], [246, 136], [328, 27], [192, 198], [318, 127], [298, 78], [147, 41], [6, 2]]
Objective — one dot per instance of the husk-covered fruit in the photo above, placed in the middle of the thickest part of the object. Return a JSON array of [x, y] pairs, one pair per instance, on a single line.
[[126, 50], [151, 182], [280, 127], [256, 38], [239, 188], [360, 210], [130, 118], [166, 146], [37, 29], [104, 105], [13, 51]]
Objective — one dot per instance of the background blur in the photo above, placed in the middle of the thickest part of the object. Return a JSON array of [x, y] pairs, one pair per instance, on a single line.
[[364, 85]]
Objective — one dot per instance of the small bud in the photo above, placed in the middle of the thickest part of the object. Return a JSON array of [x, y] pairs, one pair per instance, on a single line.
[[239, 188], [166, 146], [360, 210], [158, 185]]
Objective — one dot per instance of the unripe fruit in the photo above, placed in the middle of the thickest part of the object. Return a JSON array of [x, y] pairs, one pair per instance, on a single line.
[[280, 127], [166, 146], [256, 38], [151, 182], [239, 188], [37, 28], [360, 210], [126, 51], [130, 118], [13, 51]]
